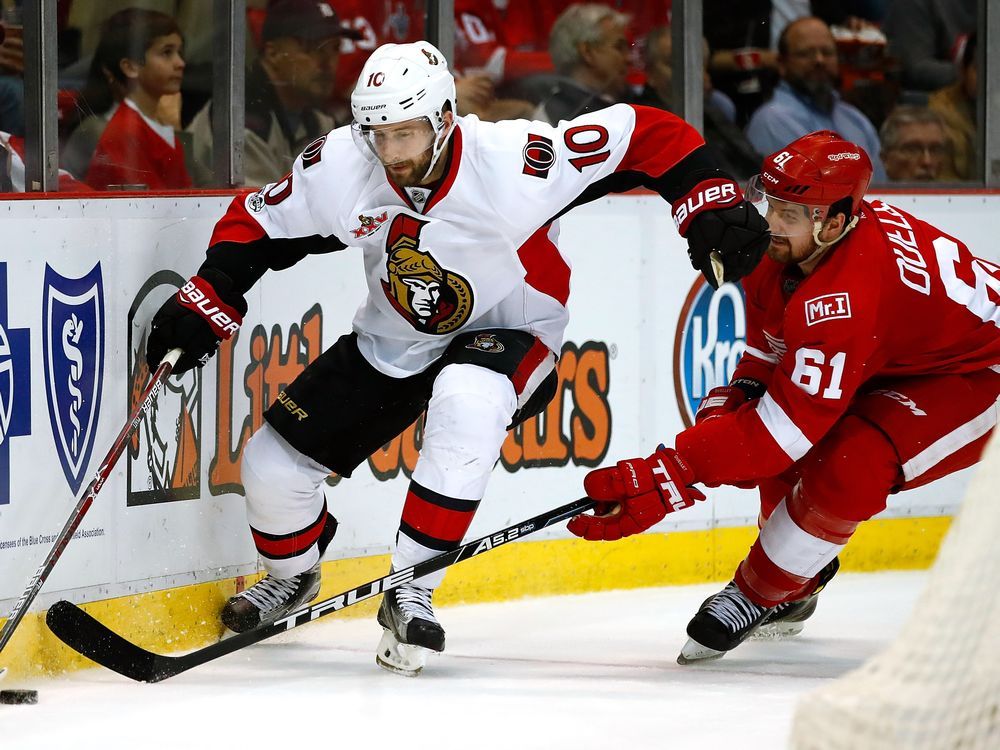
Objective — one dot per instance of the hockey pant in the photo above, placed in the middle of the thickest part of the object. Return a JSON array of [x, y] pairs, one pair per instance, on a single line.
[[340, 410], [901, 434]]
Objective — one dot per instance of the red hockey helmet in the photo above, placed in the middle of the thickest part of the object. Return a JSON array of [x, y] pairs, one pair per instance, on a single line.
[[798, 184], [818, 169]]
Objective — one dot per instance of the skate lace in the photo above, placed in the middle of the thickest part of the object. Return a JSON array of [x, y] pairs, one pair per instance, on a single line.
[[270, 592], [415, 602], [733, 609]]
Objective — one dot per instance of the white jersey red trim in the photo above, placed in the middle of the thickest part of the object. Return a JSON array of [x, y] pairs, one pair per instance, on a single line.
[[481, 251]]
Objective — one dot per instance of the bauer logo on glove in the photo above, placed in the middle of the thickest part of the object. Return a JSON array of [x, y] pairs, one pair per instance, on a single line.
[[223, 319]]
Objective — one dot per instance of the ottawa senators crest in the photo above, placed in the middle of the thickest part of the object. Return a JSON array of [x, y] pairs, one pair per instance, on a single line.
[[433, 299]]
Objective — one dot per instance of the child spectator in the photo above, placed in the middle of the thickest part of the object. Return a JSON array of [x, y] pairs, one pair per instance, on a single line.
[[137, 147]]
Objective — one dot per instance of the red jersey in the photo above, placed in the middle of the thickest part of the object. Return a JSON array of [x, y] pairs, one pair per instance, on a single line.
[[482, 44], [132, 152], [896, 298], [379, 22]]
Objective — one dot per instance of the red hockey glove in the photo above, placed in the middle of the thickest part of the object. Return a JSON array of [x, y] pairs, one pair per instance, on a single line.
[[634, 495], [726, 236], [204, 311], [728, 398]]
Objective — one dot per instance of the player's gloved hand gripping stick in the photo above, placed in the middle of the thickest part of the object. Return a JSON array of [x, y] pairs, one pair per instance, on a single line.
[[634, 495], [163, 370], [726, 235]]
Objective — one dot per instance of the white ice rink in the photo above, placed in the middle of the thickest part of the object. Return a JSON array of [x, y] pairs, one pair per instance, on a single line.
[[591, 671]]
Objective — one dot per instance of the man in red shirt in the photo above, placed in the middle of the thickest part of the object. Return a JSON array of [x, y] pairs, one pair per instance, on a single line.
[[872, 365]]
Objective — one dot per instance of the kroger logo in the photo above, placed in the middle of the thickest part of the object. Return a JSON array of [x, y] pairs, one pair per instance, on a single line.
[[711, 337]]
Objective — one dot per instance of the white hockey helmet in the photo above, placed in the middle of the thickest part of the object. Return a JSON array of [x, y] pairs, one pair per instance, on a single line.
[[402, 82]]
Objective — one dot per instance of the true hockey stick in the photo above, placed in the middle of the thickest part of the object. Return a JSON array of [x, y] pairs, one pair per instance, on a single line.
[[88, 636], [146, 399]]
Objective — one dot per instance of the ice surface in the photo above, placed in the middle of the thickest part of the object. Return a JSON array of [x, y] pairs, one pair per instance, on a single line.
[[590, 671]]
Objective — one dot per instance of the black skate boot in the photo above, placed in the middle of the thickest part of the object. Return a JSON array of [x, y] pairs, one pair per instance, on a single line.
[[789, 618], [722, 623], [411, 630], [271, 598]]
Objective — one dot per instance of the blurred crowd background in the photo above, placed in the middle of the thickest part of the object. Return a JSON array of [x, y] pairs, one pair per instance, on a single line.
[[898, 77]]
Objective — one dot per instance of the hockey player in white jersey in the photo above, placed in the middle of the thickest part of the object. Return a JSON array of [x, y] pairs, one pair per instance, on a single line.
[[457, 220]]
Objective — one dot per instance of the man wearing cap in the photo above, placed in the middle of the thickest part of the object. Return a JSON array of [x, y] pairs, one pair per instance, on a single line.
[[286, 89]]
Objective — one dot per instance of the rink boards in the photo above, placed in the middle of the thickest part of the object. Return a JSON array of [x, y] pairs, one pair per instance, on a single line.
[[80, 280]]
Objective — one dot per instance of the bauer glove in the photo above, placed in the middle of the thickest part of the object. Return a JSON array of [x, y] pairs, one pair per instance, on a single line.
[[726, 236], [204, 311]]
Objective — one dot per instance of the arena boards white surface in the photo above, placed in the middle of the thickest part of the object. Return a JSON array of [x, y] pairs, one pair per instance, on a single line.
[[576, 672]]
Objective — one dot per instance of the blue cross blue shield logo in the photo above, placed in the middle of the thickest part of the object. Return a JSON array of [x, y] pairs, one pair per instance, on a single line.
[[15, 386], [710, 339], [73, 347]]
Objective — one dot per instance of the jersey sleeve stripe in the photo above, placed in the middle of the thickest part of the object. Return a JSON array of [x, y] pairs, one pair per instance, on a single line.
[[237, 225], [784, 431], [648, 151], [758, 354]]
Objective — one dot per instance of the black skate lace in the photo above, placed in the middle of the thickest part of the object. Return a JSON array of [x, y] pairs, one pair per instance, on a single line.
[[415, 602], [271, 593], [733, 609]]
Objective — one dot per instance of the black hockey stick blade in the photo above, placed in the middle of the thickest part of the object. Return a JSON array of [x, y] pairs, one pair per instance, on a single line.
[[88, 636]]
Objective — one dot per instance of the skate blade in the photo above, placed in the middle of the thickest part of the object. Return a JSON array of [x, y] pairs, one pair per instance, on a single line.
[[776, 630], [400, 658], [693, 652]]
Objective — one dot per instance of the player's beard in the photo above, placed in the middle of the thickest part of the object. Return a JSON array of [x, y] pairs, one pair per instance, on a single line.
[[780, 250], [410, 173]]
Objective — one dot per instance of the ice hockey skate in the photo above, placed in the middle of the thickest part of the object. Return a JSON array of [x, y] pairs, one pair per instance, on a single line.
[[789, 618], [269, 599], [411, 630], [722, 623]]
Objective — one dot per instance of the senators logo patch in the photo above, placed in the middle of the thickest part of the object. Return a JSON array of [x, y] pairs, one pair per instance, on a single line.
[[433, 299], [486, 342], [369, 224], [538, 155]]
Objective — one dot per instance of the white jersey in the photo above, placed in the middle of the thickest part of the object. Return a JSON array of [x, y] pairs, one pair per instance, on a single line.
[[480, 249]]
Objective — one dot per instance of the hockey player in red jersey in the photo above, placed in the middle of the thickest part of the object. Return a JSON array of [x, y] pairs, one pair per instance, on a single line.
[[872, 365], [457, 221]]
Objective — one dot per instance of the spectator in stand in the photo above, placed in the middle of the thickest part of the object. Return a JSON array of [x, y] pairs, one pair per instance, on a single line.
[[12, 176], [850, 14], [737, 155], [915, 146], [924, 35], [286, 91], [137, 148], [98, 101], [11, 77], [742, 63], [590, 52], [806, 98], [956, 104]]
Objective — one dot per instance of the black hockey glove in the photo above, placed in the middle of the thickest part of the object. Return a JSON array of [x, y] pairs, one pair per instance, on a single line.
[[726, 235], [204, 311]]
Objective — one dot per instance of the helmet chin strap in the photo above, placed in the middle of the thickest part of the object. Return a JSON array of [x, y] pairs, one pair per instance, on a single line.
[[821, 247], [439, 144]]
